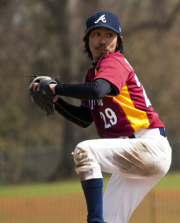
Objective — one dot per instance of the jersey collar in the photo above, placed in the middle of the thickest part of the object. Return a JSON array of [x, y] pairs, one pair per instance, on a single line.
[[105, 56]]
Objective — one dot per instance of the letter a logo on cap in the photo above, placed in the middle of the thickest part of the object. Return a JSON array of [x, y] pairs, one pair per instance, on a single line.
[[101, 18]]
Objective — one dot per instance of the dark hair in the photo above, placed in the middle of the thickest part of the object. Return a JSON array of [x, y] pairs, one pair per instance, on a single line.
[[86, 45]]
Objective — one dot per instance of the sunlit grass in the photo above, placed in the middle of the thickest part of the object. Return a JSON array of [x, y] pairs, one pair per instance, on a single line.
[[171, 180]]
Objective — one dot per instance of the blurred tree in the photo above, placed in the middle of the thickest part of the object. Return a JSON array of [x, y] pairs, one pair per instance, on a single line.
[[46, 37], [3, 2], [67, 21]]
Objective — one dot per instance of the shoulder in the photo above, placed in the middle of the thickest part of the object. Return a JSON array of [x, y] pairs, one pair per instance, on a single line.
[[114, 60]]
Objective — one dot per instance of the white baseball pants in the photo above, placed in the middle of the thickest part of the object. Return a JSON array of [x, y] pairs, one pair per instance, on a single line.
[[136, 166]]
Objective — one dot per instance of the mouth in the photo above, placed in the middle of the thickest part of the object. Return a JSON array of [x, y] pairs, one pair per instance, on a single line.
[[101, 49]]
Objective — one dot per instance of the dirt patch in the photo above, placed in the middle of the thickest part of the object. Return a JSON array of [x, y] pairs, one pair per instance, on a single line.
[[158, 206]]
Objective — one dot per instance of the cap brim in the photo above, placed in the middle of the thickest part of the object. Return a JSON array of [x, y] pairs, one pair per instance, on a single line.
[[106, 26]]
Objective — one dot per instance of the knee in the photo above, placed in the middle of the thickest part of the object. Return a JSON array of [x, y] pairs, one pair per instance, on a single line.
[[81, 152], [86, 164]]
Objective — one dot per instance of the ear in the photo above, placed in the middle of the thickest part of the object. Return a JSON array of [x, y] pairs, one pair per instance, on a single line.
[[117, 45], [121, 38]]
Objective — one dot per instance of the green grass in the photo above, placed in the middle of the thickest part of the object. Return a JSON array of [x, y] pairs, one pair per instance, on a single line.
[[171, 180]]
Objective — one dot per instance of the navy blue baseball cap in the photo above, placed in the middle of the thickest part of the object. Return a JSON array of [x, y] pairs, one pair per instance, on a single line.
[[103, 19]]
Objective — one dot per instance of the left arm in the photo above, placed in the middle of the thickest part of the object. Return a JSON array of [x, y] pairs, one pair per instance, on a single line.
[[80, 115], [88, 91]]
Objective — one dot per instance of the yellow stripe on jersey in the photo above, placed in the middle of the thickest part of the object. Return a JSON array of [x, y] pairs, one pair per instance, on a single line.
[[137, 118]]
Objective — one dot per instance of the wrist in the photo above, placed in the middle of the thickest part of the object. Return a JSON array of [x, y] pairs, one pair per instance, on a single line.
[[55, 98], [52, 86]]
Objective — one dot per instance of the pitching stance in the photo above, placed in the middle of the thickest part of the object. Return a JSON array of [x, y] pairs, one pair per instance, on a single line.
[[133, 145]]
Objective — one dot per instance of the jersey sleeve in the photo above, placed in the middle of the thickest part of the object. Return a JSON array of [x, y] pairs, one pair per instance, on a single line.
[[113, 71]]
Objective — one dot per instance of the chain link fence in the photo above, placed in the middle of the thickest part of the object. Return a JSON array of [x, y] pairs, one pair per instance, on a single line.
[[38, 164], [32, 165]]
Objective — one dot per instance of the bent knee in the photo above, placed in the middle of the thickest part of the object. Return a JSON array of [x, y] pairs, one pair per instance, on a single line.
[[81, 152], [86, 164], [83, 157]]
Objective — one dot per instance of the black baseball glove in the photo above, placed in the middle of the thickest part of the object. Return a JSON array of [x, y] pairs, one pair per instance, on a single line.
[[43, 95]]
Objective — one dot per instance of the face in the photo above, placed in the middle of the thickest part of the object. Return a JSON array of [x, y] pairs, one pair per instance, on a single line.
[[102, 41]]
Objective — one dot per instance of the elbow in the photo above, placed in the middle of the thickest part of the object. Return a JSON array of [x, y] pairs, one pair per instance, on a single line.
[[98, 95], [84, 125]]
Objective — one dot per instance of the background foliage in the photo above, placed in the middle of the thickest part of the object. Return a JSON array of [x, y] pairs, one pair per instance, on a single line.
[[38, 36]]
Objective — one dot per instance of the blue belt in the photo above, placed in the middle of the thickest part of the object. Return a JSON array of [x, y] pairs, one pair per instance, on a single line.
[[161, 130]]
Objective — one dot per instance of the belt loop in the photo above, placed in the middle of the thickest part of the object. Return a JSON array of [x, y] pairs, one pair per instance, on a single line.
[[132, 136]]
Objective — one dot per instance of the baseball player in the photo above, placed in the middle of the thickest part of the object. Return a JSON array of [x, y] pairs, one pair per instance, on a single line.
[[133, 144]]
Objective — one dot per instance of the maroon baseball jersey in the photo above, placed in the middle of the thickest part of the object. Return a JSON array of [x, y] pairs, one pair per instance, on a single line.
[[130, 110]]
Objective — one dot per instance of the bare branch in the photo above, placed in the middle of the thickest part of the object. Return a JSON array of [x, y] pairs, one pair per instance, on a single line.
[[156, 24]]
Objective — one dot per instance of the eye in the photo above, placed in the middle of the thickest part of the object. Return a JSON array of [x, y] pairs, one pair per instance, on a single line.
[[96, 33], [109, 35]]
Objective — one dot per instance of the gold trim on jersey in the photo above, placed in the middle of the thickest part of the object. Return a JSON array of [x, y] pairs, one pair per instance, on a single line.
[[137, 118]]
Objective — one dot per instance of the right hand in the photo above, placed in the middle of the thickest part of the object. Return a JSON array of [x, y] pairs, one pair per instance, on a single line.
[[52, 86]]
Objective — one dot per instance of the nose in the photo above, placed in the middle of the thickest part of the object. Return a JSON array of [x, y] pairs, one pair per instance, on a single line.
[[102, 40]]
